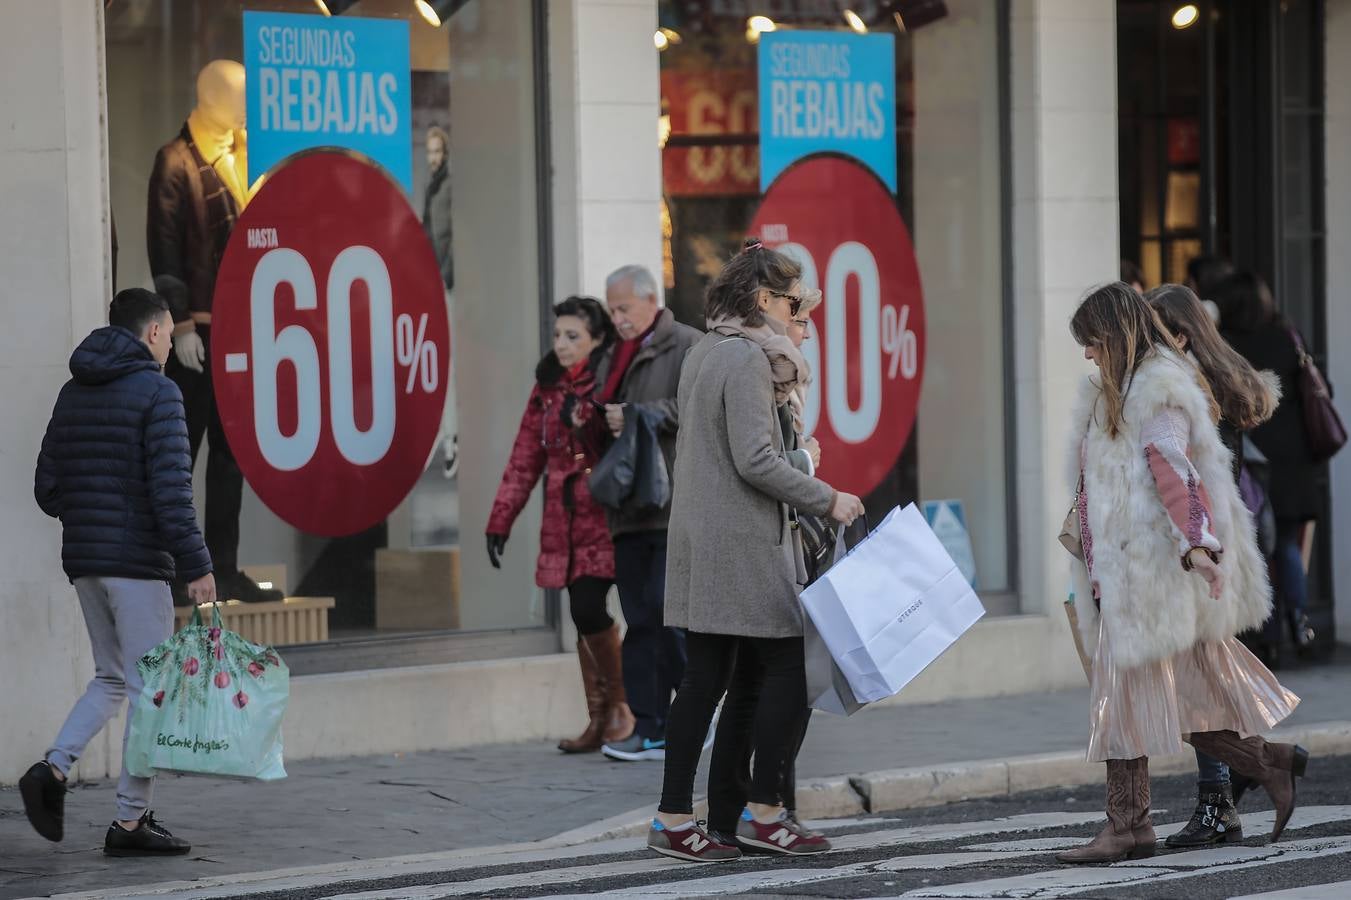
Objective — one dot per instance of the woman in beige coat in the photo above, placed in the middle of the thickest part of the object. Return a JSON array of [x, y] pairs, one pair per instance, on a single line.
[[731, 579]]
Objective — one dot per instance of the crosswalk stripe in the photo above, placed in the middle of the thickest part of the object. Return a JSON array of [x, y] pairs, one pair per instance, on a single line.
[[1070, 882], [1339, 890], [876, 839], [763, 879], [535, 878]]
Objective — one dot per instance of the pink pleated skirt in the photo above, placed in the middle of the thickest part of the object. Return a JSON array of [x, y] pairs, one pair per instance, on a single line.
[[1146, 710]]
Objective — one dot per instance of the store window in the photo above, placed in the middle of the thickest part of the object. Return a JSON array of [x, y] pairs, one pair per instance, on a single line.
[[943, 328], [396, 122]]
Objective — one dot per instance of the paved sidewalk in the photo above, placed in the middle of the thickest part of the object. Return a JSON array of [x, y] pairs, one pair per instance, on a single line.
[[364, 808]]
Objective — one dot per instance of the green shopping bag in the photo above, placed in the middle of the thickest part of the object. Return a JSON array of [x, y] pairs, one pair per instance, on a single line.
[[212, 705]]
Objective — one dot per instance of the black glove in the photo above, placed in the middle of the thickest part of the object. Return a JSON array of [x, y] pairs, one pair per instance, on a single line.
[[497, 545]]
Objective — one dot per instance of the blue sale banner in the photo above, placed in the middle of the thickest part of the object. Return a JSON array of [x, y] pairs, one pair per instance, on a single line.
[[321, 82], [827, 91]]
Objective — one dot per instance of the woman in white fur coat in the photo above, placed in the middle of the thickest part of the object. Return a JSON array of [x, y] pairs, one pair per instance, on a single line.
[[1170, 573]]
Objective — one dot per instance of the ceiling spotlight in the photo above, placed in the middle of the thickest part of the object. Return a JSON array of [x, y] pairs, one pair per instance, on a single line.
[[428, 14], [665, 37], [323, 7], [1186, 16], [760, 24], [855, 21]]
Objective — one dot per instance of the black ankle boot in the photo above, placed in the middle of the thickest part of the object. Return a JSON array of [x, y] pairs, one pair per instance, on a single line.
[[1215, 820]]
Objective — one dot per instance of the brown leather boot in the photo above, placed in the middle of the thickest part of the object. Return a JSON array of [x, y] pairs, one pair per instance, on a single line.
[[593, 683], [1274, 766], [1129, 833], [608, 649]]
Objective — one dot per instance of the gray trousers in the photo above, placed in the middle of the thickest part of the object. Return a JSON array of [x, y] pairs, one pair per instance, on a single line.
[[126, 618]]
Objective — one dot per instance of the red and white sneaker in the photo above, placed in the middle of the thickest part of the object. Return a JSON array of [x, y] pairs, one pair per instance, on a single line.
[[693, 844], [784, 835]]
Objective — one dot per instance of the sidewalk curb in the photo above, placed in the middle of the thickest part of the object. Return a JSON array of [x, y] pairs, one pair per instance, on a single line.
[[898, 789], [892, 790]]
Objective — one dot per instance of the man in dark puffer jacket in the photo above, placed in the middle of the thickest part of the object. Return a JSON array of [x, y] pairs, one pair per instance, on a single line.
[[115, 469]]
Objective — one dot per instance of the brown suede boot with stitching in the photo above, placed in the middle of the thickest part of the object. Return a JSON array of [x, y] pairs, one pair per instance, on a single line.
[[1274, 766], [1129, 833]]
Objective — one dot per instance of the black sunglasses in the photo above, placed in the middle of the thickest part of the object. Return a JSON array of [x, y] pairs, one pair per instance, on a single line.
[[794, 301]]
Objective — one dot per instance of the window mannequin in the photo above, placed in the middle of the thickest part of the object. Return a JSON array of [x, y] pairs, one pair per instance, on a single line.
[[197, 189]]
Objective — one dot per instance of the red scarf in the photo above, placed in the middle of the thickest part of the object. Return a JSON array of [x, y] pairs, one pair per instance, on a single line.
[[623, 358]]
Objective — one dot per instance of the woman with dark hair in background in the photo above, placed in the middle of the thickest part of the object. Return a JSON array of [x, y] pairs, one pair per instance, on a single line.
[[731, 577], [1254, 327], [1246, 399], [556, 440]]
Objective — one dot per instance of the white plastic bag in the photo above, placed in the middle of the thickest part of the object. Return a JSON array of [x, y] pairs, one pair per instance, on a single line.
[[891, 606]]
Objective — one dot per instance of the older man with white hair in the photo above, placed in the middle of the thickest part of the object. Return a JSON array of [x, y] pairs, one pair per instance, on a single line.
[[645, 371]]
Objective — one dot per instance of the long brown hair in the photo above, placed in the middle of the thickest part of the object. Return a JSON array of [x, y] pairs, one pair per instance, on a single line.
[[1124, 331], [1244, 397]]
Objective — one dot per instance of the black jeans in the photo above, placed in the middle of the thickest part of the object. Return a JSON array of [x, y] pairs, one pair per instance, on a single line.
[[586, 600], [224, 481], [729, 769], [654, 655], [777, 723]]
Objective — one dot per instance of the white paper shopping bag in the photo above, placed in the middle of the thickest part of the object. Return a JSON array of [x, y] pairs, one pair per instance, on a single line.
[[891, 606]]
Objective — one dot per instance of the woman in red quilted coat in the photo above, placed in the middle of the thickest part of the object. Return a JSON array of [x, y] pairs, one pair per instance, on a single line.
[[560, 438]]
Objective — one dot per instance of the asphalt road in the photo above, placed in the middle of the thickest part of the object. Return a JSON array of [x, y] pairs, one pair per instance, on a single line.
[[971, 849]]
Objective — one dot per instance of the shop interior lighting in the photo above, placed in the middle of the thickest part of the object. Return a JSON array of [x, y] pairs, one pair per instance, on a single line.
[[1185, 16], [855, 21], [760, 24], [428, 14], [323, 7], [665, 37]]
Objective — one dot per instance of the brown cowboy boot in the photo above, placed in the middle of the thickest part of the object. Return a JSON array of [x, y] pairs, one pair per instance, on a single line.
[[1273, 766], [618, 718], [593, 684], [1129, 833]]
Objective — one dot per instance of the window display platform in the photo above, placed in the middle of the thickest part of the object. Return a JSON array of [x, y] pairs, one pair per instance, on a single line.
[[295, 620]]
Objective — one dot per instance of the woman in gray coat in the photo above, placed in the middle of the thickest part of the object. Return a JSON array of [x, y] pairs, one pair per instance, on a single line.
[[731, 578]]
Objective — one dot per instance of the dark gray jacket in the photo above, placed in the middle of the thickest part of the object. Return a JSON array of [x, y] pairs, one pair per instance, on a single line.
[[652, 381]]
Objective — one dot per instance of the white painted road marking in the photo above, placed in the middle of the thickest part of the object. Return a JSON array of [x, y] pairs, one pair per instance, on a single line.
[[1337, 891]]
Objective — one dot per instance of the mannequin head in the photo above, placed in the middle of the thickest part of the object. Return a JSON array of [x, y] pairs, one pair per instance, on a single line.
[[437, 147], [220, 94]]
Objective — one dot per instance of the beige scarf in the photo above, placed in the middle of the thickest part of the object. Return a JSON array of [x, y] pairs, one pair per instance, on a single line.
[[788, 369]]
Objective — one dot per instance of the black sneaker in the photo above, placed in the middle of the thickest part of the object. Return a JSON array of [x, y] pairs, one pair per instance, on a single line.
[[44, 800], [244, 589], [150, 839]]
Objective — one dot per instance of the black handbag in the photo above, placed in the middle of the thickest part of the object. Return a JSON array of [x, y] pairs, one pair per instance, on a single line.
[[651, 480], [611, 480], [823, 542], [632, 474]]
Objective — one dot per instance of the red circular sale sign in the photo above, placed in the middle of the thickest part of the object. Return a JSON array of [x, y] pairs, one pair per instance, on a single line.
[[330, 344], [867, 347]]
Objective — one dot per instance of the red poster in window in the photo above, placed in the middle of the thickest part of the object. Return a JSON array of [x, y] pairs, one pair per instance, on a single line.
[[866, 349], [1184, 142], [702, 105], [330, 345]]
